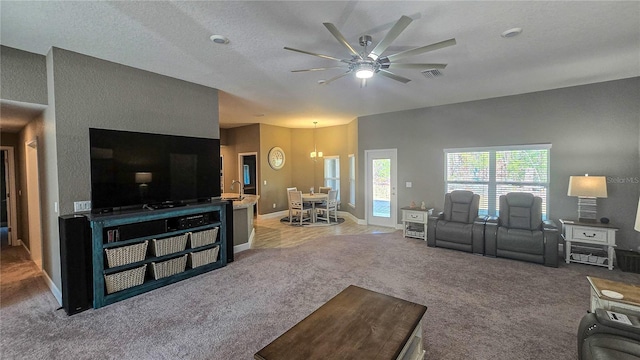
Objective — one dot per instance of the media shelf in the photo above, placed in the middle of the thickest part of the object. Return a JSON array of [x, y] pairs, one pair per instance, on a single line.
[[137, 227]]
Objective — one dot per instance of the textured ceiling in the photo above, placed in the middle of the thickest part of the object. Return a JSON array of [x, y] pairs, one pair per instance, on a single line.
[[562, 44]]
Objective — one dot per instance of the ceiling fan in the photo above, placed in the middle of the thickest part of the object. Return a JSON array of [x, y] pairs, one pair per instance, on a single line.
[[366, 64]]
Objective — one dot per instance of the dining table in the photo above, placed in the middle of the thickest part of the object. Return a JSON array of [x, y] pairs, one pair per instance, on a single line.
[[313, 199]]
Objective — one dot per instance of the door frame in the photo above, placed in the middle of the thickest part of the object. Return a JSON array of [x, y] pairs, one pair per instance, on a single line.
[[241, 175], [368, 190], [34, 212], [12, 207]]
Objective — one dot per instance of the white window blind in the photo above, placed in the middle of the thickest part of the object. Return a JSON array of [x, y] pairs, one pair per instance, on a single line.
[[495, 171], [332, 173]]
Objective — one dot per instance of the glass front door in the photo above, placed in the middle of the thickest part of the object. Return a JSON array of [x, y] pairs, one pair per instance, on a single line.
[[381, 187]]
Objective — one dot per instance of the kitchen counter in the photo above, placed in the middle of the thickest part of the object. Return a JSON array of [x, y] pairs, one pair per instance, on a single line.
[[248, 200], [243, 231]]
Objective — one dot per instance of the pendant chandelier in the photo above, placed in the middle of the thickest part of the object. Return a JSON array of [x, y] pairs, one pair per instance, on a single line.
[[315, 153]]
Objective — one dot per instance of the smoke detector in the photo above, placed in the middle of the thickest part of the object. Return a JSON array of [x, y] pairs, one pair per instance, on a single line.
[[511, 33], [219, 39]]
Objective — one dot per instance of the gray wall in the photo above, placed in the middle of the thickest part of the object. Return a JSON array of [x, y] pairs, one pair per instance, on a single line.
[[23, 76], [593, 129], [88, 92]]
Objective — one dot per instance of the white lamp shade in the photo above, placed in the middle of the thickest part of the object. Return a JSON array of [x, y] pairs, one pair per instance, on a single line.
[[588, 186], [637, 227], [143, 177]]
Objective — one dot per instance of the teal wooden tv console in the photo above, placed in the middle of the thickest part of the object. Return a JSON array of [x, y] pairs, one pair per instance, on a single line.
[[120, 229]]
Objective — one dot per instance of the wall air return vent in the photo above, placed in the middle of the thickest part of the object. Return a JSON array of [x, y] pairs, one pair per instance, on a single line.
[[432, 73]]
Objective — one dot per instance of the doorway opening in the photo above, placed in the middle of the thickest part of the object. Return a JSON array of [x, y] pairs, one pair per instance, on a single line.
[[8, 208], [248, 174]]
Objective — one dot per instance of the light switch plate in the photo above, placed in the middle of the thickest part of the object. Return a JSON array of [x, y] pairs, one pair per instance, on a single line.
[[409, 184]]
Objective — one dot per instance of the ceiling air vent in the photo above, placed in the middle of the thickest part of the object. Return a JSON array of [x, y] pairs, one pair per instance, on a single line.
[[432, 73]]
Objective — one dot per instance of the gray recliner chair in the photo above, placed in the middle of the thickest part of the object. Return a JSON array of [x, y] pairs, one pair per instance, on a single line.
[[519, 233], [458, 226], [600, 338]]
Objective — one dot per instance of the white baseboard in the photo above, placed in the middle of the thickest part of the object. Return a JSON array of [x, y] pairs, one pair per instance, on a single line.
[[54, 289], [399, 227], [352, 217], [241, 247], [273, 215], [25, 247]]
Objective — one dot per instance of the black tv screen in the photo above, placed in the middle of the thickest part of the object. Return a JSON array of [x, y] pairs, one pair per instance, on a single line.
[[131, 169]]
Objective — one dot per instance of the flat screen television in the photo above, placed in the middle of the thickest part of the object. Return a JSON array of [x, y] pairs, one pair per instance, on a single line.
[[133, 170]]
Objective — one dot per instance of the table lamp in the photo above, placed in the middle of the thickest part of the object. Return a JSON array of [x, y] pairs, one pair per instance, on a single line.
[[588, 189]]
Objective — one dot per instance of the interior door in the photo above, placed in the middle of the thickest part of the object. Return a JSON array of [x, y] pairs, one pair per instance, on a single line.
[[381, 196]]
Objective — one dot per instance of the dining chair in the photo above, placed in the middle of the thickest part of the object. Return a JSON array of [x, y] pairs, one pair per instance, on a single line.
[[328, 206], [324, 189], [298, 206], [289, 199]]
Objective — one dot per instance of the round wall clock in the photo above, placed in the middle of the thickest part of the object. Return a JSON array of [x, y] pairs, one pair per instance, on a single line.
[[276, 158]]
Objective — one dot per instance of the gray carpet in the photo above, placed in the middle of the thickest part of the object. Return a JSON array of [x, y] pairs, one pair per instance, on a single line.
[[478, 307]]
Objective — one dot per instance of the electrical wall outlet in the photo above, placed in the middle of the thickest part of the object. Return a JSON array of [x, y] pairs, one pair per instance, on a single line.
[[274, 205], [80, 206]]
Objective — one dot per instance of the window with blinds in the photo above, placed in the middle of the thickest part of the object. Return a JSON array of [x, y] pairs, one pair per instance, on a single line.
[[332, 173], [495, 171]]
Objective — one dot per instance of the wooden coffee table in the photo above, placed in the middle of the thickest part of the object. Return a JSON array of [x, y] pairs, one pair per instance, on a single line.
[[630, 295], [355, 324]]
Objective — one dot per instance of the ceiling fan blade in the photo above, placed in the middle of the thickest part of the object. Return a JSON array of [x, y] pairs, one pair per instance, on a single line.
[[314, 54], [413, 66], [420, 50], [319, 69], [336, 78], [336, 33], [393, 76], [395, 31]]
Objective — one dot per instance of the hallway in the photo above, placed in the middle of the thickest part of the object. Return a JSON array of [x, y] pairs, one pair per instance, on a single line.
[[20, 283]]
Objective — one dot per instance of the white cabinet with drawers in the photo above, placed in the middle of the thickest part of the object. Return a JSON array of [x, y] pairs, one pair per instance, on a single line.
[[589, 243], [414, 222]]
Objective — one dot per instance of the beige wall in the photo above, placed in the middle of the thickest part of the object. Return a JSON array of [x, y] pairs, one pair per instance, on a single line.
[[277, 180], [33, 130], [299, 169], [238, 140]]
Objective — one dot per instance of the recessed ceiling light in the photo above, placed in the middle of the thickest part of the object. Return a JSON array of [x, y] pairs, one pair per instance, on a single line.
[[219, 39], [511, 32]]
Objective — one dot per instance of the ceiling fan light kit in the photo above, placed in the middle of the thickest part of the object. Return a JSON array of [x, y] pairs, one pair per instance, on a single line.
[[365, 71], [366, 64]]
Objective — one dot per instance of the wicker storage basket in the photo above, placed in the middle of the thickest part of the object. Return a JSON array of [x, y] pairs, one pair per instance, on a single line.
[[125, 279], [126, 254], [202, 238], [170, 245], [169, 267], [203, 257]]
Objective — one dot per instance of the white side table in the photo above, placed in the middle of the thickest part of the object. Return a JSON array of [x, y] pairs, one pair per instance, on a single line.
[[414, 222], [596, 236]]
